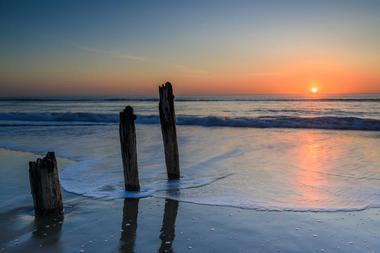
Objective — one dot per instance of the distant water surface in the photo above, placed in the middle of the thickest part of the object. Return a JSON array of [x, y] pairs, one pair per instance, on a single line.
[[265, 153]]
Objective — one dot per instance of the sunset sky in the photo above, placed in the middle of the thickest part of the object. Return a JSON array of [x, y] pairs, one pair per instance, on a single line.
[[204, 47]]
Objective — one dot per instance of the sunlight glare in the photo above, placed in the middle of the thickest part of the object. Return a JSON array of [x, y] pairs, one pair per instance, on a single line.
[[314, 90]]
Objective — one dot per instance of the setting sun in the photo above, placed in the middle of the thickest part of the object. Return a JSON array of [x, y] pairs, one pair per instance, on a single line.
[[314, 90]]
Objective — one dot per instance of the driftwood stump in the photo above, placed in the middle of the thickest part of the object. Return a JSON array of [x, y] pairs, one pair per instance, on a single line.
[[168, 129], [45, 187], [128, 149]]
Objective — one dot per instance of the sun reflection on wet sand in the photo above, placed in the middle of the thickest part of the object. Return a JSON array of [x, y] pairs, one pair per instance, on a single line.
[[309, 182]]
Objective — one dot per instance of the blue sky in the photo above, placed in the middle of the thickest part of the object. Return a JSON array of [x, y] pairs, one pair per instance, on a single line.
[[129, 47]]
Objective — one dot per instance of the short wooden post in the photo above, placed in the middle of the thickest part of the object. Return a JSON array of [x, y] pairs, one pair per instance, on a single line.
[[127, 132], [45, 187], [168, 129]]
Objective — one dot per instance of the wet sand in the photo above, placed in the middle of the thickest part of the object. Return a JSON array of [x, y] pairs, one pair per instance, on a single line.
[[159, 225]]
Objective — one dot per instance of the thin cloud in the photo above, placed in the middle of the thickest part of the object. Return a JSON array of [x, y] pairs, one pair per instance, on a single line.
[[109, 53], [186, 70]]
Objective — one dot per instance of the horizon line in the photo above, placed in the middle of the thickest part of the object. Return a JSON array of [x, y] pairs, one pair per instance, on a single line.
[[311, 96]]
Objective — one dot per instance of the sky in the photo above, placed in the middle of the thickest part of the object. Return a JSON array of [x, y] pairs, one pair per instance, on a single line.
[[208, 47]]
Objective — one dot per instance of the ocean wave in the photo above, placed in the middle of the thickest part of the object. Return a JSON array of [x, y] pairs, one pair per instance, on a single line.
[[60, 117], [323, 122]]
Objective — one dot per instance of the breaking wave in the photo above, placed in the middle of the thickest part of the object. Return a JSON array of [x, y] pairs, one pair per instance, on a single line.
[[323, 122]]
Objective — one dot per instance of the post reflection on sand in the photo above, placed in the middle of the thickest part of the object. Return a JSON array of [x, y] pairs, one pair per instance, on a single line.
[[167, 234], [48, 228], [129, 226]]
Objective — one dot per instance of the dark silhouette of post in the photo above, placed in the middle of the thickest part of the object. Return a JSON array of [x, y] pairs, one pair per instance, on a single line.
[[167, 234], [129, 225], [128, 149], [168, 129], [45, 186]]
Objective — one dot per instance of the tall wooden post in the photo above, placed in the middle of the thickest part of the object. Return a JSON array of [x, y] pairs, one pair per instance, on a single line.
[[128, 149], [168, 129], [45, 187]]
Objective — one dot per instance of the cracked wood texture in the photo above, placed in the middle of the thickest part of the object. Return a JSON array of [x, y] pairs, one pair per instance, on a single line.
[[45, 186], [127, 132]]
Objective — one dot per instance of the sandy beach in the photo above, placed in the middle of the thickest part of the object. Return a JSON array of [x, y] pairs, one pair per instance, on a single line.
[[159, 225]]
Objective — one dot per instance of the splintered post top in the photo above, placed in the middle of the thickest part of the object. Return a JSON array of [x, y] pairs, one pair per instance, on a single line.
[[128, 112], [166, 88]]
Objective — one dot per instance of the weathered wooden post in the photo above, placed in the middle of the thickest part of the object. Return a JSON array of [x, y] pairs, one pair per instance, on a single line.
[[168, 129], [128, 149], [45, 187]]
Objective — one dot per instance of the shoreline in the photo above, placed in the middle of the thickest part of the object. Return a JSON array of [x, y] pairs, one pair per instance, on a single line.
[[64, 161], [125, 225]]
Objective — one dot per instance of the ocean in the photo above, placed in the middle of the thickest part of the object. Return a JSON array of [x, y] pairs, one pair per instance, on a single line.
[[273, 153]]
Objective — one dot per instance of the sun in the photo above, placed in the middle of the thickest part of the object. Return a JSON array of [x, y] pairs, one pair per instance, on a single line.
[[314, 90]]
